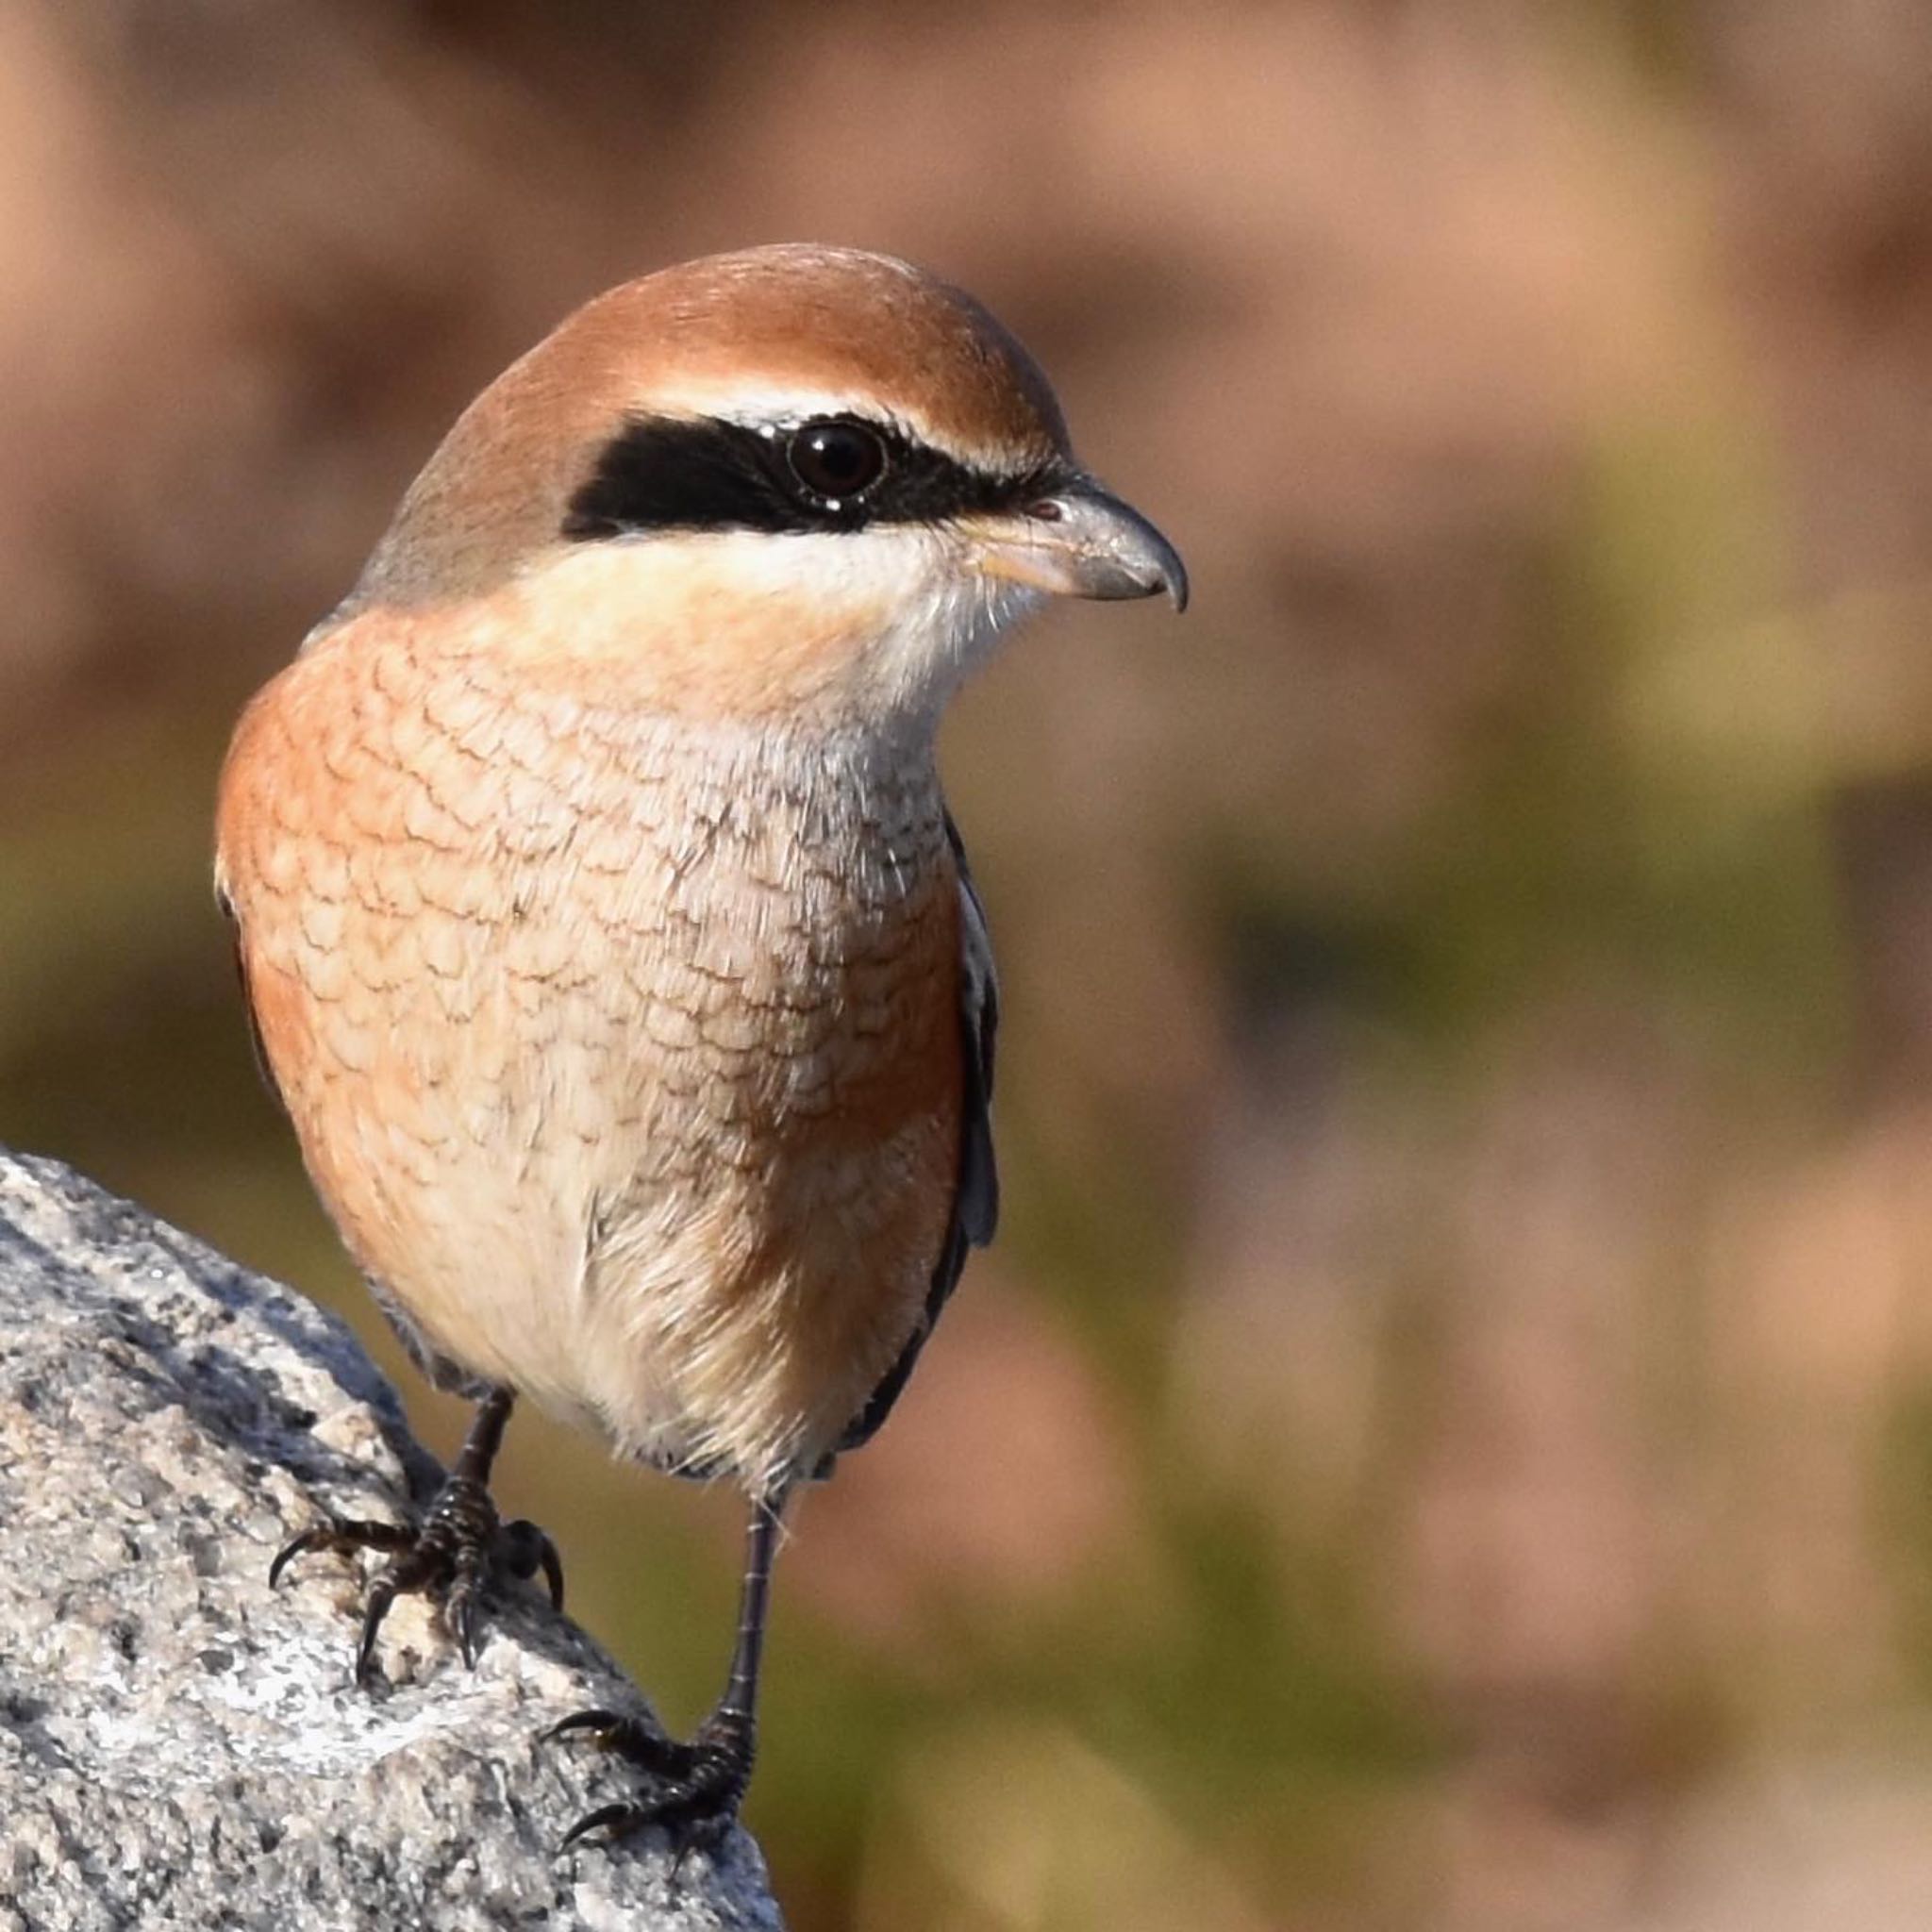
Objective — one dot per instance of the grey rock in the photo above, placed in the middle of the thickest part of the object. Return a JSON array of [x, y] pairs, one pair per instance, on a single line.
[[181, 1746]]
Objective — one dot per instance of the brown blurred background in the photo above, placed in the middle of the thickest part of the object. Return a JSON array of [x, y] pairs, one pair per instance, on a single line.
[[1444, 1443]]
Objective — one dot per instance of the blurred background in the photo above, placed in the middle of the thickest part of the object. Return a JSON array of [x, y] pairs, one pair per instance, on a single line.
[[1445, 1439]]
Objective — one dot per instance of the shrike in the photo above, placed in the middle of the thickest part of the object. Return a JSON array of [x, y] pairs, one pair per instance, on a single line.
[[604, 927]]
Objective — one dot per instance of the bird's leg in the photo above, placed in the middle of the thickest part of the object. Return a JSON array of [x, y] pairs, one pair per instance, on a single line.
[[452, 1554], [698, 1785]]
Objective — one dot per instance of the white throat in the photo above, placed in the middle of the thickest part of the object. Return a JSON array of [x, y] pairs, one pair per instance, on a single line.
[[875, 629]]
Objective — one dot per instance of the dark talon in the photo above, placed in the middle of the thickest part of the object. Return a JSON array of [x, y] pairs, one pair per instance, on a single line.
[[700, 1784], [692, 1817], [596, 1820], [382, 1593], [635, 1742], [524, 1550], [459, 1548], [459, 1613], [339, 1533], [297, 1546], [605, 1722], [693, 1814]]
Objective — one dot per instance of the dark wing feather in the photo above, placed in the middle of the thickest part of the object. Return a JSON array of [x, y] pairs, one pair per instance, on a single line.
[[255, 1039], [976, 1198]]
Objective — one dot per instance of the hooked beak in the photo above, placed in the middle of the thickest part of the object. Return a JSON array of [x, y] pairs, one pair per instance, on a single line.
[[1076, 540]]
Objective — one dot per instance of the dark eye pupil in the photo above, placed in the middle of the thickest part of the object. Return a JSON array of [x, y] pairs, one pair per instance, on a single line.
[[836, 459]]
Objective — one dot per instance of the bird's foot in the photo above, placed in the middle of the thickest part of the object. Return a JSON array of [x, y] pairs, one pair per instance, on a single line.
[[460, 1546], [696, 1787]]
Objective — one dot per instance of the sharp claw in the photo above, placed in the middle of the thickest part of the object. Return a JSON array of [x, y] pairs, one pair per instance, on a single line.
[[529, 1550], [608, 1817], [688, 1815], [698, 1786], [350, 1535], [462, 1611], [295, 1547], [663, 1758], [582, 1720], [382, 1593], [452, 1556]]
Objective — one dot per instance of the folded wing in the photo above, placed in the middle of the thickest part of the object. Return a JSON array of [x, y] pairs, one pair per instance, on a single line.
[[977, 1198]]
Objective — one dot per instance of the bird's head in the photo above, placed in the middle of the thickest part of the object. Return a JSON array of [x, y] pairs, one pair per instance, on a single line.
[[791, 477]]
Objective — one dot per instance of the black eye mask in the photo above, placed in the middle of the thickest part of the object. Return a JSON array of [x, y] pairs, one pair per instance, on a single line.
[[662, 473]]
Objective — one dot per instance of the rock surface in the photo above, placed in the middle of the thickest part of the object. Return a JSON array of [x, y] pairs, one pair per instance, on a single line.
[[179, 1746]]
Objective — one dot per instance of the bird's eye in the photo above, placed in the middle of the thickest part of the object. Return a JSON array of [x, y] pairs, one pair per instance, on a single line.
[[836, 461]]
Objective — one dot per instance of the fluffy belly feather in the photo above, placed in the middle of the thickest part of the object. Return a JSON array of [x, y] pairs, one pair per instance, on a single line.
[[625, 1056]]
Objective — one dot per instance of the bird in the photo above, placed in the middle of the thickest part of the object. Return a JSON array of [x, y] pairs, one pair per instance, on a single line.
[[603, 928]]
